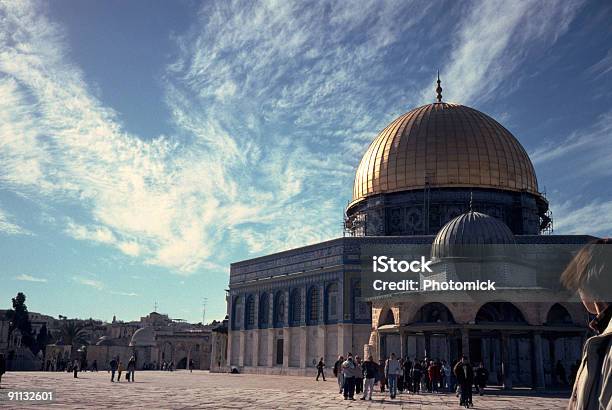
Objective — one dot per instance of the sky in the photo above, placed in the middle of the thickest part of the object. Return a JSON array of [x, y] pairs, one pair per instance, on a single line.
[[146, 145]]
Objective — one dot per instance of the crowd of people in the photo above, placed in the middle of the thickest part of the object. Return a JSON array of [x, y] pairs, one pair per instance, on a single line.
[[357, 377]]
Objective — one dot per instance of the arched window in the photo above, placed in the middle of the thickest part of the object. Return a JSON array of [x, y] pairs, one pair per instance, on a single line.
[[313, 305], [434, 313], [386, 318], [361, 309], [331, 303], [250, 312], [558, 315], [496, 312], [237, 313], [264, 311], [279, 309], [295, 307]]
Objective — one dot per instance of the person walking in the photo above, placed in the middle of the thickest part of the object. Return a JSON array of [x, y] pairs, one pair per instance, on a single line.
[[560, 371], [113, 368], [381, 375], [446, 376], [369, 370], [320, 367], [407, 366], [415, 376], [2, 366], [131, 367], [348, 372], [120, 370], [392, 371], [574, 371], [465, 378], [435, 376], [589, 274], [338, 372], [358, 375], [75, 368], [480, 377], [94, 366]]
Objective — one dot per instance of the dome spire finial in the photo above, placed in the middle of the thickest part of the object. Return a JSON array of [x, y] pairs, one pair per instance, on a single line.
[[439, 89]]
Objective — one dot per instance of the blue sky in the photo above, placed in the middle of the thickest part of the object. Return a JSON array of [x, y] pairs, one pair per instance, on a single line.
[[145, 145]]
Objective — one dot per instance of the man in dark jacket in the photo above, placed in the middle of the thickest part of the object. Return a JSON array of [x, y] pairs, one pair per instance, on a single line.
[[465, 378], [131, 368], [113, 368], [481, 377], [406, 374], [320, 367], [2, 366], [369, 369]]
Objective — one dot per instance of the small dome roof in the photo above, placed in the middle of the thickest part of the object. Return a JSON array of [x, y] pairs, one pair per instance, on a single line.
[[143, 337], [471, 228], [105, 341]]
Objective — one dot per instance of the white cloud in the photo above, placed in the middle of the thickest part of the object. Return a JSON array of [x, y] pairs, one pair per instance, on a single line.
[[271, 104], [97, 233], [9, 227], [239, 164], [585, 152], [493, 39], [130, 294], [129, 248], [94, 283], [602, 67], [30, 278], [594, 218]]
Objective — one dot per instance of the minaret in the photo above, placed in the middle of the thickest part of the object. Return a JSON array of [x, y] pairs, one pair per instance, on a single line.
[[439, 89]]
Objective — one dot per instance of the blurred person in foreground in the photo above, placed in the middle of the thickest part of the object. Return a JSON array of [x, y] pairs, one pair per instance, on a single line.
[[590, 274], [2, 366]]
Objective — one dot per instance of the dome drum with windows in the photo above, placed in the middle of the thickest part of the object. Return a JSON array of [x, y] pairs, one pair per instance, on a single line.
[[420, 171]]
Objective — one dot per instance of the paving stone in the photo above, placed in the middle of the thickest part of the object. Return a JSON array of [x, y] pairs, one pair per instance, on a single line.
[[200, 389]]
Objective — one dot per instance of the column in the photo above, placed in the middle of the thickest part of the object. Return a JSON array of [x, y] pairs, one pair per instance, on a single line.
[[242, 349], [229, 347], [465, 343], [402, 344], [271, 357], [538, 361], [255, 331], [303, 347], [345, 336], [505, 366], [427, 345], [255, 352], [286, 346], [322, 343], [553, 360]]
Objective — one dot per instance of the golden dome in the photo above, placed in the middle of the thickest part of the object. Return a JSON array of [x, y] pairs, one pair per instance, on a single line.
[[446, 145]]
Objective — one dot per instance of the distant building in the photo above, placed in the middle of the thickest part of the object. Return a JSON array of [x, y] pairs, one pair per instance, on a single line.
[[153, 340]]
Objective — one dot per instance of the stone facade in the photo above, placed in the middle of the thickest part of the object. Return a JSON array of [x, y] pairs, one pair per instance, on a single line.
[[289, 309]]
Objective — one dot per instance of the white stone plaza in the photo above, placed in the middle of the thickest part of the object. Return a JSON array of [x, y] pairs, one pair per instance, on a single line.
[[201, 389]]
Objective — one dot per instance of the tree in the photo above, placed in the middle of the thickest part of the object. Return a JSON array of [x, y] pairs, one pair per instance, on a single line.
[[73, 333], [18, 316], [41, 339]]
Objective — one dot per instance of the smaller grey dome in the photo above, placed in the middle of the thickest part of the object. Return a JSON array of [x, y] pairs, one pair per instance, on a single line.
[[470, 228], [143, 337]]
